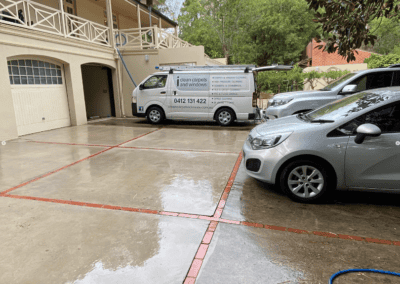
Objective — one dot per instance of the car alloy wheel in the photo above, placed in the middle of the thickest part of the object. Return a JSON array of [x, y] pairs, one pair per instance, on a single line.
[[305, 181]]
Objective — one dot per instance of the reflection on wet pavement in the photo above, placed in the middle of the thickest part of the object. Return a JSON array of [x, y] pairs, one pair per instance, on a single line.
[[353, 213], [88, 134], [185, 182], [54, 243], [240, 254], [21, 161], [222, 141]]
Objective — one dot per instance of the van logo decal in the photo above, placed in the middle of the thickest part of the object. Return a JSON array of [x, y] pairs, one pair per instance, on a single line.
[[140, 108]]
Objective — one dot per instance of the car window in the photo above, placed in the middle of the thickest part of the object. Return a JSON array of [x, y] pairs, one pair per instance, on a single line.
[[379, 80], [373, 81], [386, 118], [338, 81], [157, 81], [396, 79]]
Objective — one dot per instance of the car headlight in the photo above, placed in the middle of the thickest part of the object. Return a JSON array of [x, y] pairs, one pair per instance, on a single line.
[[279, 102], [267, 141]]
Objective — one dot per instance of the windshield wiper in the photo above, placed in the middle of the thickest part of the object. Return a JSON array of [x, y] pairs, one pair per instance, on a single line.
[[322, 121], [303, 116]]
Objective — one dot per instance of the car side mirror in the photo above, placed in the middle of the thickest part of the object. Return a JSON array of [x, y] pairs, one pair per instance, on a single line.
[[349, 89], [365, 130], [141, 87]]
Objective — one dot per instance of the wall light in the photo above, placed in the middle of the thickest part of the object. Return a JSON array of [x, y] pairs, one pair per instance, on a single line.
[[146, 57]]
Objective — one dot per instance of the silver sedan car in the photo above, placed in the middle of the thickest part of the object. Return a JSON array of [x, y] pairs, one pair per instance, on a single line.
[[353, 142]]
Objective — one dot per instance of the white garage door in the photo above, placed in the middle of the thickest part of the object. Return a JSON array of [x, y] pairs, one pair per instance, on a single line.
[[39, 95]]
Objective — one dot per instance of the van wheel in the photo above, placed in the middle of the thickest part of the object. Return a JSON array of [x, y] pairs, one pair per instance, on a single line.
[[306, 181], [225, 117], [155, 115]]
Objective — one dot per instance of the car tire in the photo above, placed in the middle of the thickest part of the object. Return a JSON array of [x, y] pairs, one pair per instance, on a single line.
[[307, 181], [155, 115], [225, 116]]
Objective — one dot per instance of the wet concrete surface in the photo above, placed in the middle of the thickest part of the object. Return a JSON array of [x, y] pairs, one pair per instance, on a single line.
[[190, 139], [88, 134], [240, 254], [21, 161], [44, 242], [186, 182], [54, 243], [181, 124], [354, 213]]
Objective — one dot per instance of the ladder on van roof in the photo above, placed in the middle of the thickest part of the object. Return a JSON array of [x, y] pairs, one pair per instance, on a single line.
[[246, 68]]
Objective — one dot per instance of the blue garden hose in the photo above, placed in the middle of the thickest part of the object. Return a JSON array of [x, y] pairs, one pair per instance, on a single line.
[[362, 270]]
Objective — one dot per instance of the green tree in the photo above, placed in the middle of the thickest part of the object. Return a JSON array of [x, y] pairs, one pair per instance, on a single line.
[[387, 32], [346, 22], [275, 31], [196, 28]]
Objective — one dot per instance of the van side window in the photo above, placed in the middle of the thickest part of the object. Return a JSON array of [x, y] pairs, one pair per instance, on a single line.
[[157, 81]]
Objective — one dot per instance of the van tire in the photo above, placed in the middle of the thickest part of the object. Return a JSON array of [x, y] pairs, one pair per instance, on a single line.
[[155, 115], [225, 116]]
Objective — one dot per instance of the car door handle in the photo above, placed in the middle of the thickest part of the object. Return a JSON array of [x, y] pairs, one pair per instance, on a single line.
[[163, 92]]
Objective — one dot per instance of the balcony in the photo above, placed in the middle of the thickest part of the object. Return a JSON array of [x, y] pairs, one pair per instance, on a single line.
[[38, 17]]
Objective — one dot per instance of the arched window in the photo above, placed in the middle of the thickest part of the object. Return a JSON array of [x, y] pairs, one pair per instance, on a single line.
[[34, 72]]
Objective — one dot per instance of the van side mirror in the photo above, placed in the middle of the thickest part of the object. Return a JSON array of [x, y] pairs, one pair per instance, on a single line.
[[365, 130], [349, 89], [141, 87]]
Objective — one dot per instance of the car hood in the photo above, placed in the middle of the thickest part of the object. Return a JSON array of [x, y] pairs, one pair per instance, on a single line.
[[300, 94], [280, 125]]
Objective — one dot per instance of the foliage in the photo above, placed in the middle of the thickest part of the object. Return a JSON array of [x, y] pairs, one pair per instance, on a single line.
[[387, 32], [346, 22], [269, 81], [275, 31], [197, 29], [258, 32], [376, 61]]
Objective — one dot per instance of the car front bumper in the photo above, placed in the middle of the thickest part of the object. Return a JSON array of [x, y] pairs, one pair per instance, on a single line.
[[269, 160]]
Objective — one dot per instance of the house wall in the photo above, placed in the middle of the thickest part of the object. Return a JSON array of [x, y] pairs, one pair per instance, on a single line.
[[15, 41], [321, 83]]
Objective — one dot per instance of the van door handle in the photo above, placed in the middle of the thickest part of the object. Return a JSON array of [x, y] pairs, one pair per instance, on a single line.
[[163, 92], [174, 93]]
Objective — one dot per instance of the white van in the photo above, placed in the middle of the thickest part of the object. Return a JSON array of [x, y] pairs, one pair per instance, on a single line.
[[221, 93]]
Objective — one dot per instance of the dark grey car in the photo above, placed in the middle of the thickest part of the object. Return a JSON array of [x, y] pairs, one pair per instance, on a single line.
[[285, 104], [353, 142]]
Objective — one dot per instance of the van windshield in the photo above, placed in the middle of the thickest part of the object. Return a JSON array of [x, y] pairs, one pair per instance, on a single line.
[[332, 85]]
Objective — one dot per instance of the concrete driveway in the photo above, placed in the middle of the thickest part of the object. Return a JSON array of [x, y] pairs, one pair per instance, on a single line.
[[121, 201]]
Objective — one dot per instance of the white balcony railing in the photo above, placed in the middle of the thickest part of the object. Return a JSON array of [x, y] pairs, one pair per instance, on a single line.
[[35, 16], [150, 37], [39, 17]]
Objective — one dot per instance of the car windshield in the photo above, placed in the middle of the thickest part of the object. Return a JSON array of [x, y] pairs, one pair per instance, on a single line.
[[338, 81], [347, 106]]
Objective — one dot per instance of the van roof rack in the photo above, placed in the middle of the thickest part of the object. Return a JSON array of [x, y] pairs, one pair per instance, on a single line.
[[215, 67], [245, 68]]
